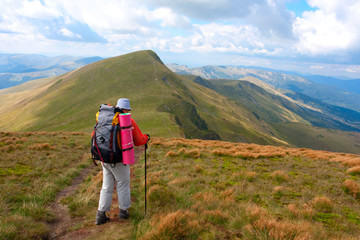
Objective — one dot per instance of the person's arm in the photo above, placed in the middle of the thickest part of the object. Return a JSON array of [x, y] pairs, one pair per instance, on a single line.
[[138, 137]]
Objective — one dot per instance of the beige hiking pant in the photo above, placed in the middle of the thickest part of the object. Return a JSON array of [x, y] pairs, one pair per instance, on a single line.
[[120, 174]]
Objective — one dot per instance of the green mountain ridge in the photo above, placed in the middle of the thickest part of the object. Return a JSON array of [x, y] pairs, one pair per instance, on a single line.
[[320, 125], [329, 94], [273, 108], [164, 104]]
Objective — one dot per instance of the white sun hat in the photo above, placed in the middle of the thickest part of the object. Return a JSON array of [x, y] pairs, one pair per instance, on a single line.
[[123, 103]]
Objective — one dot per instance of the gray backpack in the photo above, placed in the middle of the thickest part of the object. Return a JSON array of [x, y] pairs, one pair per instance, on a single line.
[[104, 139]]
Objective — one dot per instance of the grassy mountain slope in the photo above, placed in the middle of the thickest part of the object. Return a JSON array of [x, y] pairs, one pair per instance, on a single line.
[[266, 106], [164, 103], [318, 138], [288, 107], [196, 189], [295, 121], [326, 93]]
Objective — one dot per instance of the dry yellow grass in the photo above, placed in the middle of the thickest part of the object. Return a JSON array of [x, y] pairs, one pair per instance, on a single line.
[[201, 189], [255, 212], [234, 180], [41, 165], [198, 169], [228, 194], [322, 204], [280, 175], [206, 197], [263, 225], [250, 176], [293, 209], [352, 187], [174, 225], [154, 178], [354, 170], [279, 189], [250, 150], [277, 229], [42, 146], [171, 154], [215, 216], [180, 181]]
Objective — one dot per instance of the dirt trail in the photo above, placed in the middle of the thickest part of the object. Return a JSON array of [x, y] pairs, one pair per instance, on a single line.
[[59, 228]]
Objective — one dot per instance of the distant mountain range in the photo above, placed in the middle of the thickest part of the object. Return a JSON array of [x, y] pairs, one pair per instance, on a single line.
[[342, 93], [351, 85], [166, 104], [18, 68]]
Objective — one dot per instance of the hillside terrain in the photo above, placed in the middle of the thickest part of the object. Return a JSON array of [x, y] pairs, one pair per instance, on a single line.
[[227, 159], [19, 68], [164, 103], [331, 94], [295, 116], [270, 107], [167, 104], [196, 189]]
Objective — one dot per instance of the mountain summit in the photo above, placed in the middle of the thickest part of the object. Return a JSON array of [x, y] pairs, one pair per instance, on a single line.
[[164, 104]]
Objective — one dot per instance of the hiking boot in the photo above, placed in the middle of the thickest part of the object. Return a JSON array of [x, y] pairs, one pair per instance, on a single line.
[[124, 214], [101, 218]]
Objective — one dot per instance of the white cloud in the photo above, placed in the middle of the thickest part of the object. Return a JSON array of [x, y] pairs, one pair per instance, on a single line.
[[34, 9], [10, 21], [334, 27], [208, 10], [317, 67], [169, 19], [105, 17], [67, 33], [114, 17], [269, 16], [197, 27], [272, 19], [353, 69], [237, 38]]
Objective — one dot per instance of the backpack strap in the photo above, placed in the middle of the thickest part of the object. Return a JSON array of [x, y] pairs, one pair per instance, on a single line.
[[98, 150]]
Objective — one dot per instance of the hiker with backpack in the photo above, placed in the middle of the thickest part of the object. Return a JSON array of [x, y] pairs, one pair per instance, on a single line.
[[108, 147]]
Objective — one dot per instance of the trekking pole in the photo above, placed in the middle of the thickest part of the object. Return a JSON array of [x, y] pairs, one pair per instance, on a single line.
[[145, 176]]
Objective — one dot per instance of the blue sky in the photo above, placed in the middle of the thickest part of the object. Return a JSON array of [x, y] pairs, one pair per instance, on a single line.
[[308, 36]]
